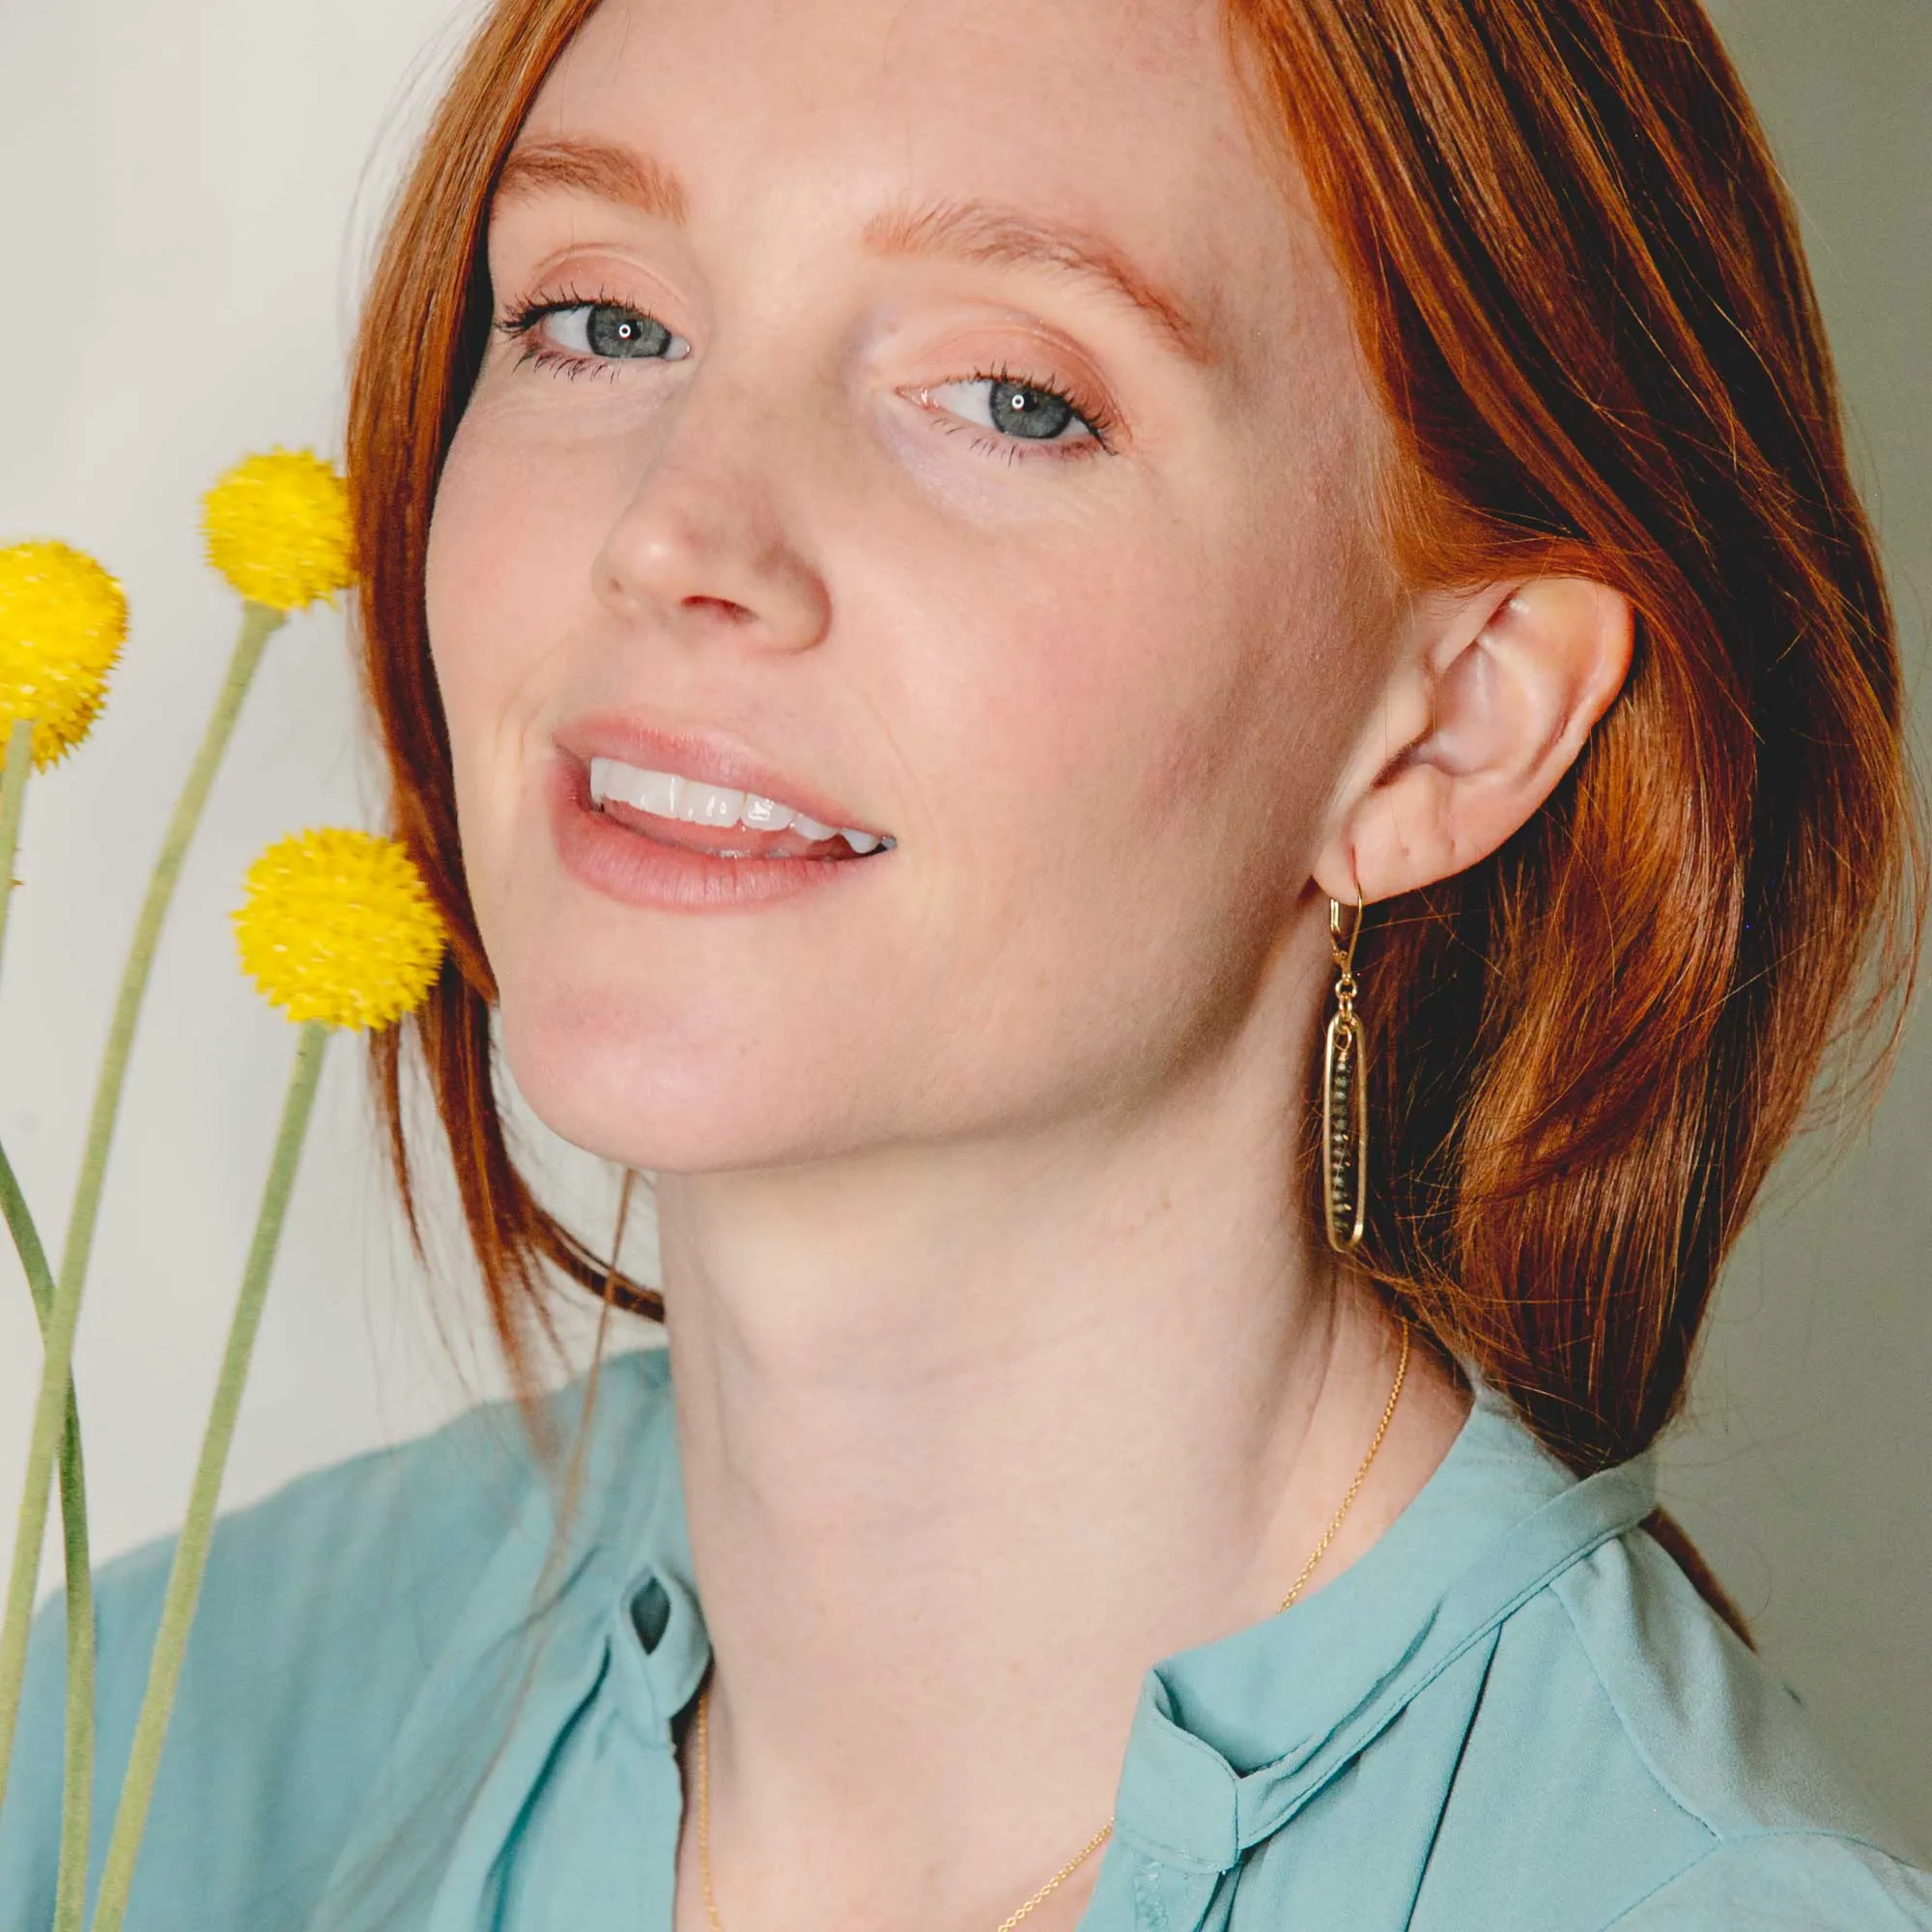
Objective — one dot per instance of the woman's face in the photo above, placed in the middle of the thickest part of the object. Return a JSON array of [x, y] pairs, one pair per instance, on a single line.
[[939, 418]]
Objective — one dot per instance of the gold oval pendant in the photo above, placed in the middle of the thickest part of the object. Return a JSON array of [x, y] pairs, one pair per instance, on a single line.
[[1345, 1131]]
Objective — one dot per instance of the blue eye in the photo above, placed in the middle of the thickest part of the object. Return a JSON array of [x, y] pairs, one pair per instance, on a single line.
[[603, 329], [586, 333], [1021, 412]]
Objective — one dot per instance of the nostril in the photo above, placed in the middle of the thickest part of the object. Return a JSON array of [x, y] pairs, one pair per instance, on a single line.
[[720, 607]]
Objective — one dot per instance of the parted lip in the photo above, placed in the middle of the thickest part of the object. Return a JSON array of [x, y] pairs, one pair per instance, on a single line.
[[711, 757]]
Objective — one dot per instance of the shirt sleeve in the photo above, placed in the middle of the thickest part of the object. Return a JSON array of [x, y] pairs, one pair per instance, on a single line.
[[1789, 1881], [30, 1822], [321, 1611]]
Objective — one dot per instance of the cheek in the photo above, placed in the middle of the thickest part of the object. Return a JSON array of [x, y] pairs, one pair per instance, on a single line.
[[1128, 763], [1168, 707], [508, 565], [503, 547]]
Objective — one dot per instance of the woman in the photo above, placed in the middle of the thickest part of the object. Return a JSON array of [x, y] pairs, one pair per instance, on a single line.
[[980, 616]]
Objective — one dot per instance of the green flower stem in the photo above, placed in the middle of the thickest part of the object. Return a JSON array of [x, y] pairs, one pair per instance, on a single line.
[[258, 625], [77, 1774], [77, 1753], [20, 768], [178, 1607], [77, 1778]]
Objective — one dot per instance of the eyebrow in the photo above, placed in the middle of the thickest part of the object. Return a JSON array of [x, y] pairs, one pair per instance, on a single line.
[[597, 168], [979, 231], [971, 231]]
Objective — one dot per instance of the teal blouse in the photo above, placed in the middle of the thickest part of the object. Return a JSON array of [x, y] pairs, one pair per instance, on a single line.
[[409, 1703]]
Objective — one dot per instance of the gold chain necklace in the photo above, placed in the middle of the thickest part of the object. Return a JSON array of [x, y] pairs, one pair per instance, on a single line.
[[1100, 1836]]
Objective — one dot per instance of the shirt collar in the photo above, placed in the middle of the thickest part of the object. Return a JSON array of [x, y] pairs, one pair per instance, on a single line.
[[1277, 1684], [1233, 1737]]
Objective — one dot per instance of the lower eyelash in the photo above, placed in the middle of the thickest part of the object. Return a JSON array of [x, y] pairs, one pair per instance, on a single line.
[[533, 355], [1016, 449]]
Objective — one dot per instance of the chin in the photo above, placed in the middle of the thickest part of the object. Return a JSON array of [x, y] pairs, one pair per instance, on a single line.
[[669, 1098]]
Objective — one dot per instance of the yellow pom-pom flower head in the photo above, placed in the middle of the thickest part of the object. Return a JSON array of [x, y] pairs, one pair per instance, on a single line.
[[277, 527], [63, 621], [338, 927]]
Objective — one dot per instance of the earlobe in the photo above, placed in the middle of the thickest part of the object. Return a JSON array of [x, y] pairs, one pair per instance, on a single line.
[[1503, 695]]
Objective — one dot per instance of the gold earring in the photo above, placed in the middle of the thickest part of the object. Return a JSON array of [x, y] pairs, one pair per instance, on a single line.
[[1345, 1097]]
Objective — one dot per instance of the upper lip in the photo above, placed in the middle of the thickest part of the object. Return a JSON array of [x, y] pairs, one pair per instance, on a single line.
[[711, 757]]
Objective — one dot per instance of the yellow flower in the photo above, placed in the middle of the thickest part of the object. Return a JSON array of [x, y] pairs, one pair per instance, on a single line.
[[338, 927], [277, 529], [63, 621]]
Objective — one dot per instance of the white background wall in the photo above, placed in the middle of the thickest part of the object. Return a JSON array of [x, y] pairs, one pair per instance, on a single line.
[[187, 190]]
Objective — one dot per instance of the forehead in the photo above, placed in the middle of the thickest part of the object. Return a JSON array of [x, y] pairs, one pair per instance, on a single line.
[[1118, 118]]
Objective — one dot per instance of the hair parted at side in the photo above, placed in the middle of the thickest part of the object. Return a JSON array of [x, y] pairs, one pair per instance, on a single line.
[[1580, 297]]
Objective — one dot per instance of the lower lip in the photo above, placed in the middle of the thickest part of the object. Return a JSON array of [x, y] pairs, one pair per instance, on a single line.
[[636, 870]]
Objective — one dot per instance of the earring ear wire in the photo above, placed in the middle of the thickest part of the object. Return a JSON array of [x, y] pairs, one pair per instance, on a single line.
[[1345, 1094]]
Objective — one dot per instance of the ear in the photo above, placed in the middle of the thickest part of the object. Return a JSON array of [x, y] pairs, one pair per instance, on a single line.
[[1478, 723]]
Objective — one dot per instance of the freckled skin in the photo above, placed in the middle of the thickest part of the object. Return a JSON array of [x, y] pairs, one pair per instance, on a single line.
[[1100, 699]]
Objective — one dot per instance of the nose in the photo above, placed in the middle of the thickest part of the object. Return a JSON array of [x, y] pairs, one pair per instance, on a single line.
[[704, 546]]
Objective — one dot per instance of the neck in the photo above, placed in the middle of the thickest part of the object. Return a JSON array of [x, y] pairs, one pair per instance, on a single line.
[[969, 1443]]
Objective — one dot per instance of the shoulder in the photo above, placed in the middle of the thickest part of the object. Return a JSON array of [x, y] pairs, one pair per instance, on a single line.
[[1683, 1779], [363, 1564], [322, 1610], [1788, 1881]]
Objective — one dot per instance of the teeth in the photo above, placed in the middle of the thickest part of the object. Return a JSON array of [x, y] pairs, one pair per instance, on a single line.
[[707, 804], [668, 796], [766, 814], [642, 792]]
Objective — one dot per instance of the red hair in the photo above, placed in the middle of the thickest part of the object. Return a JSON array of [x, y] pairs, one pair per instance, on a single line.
[[1579, 294]]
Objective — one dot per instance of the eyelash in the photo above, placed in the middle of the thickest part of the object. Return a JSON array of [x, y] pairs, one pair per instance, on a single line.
[[520, 323]]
